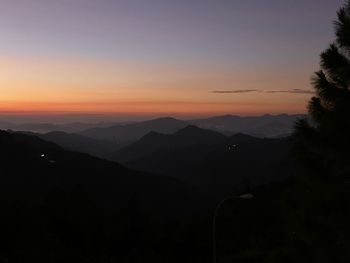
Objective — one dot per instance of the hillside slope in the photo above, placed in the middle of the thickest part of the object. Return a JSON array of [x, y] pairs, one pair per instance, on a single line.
[[72, 207]]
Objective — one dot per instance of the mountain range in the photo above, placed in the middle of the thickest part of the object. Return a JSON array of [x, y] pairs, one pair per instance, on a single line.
[[124, 133], [201, 157], [209, 159], [154, 199], [258, 126], [50, 127], [154, 142]]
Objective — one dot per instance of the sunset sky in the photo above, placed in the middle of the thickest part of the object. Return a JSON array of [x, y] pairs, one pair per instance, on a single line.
[[184, 57]]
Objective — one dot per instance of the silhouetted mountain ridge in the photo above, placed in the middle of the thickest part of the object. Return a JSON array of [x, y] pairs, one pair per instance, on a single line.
[[209, 159], [261, 126], [50, 127], [154, 141], [131, 132], [80, 143]]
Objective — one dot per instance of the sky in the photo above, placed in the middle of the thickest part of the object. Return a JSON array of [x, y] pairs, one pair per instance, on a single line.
[[161, 57]]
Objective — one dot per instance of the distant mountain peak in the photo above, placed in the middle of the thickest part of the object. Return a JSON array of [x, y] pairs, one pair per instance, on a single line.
[[190, 128], [167, 118], [193, 130], [163, 119], [226, 116]]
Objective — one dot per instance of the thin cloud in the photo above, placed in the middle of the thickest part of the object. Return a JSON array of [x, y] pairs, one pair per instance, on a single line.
[[303, 91], [234, 91], [292, 91]]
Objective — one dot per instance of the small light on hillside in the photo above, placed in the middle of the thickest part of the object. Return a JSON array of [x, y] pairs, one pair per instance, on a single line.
[[232, 147], [246, 196]]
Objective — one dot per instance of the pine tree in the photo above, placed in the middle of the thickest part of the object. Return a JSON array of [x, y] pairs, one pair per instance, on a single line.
[[323, 141]]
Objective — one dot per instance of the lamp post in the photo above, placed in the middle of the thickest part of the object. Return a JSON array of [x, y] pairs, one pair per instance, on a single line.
[[216, 212]]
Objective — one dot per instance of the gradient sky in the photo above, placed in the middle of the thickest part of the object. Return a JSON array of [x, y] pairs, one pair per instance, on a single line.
[[184, 57]]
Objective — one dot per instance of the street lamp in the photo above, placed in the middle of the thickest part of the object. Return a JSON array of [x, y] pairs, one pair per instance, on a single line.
[[216, 211]]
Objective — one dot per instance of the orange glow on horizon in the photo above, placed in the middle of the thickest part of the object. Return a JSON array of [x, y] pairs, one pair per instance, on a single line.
[[102, 86], [134, 108]]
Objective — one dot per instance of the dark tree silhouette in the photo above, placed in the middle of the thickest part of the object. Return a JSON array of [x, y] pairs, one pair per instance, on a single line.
[[322, 142]]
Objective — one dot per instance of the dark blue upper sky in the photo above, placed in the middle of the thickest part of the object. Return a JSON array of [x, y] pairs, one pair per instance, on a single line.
[[166, 28], [238, 37]]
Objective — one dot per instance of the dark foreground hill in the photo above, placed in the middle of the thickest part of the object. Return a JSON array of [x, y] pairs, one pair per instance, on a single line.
[[301, 220], [79, 143], [60, 206], [210, 160]]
